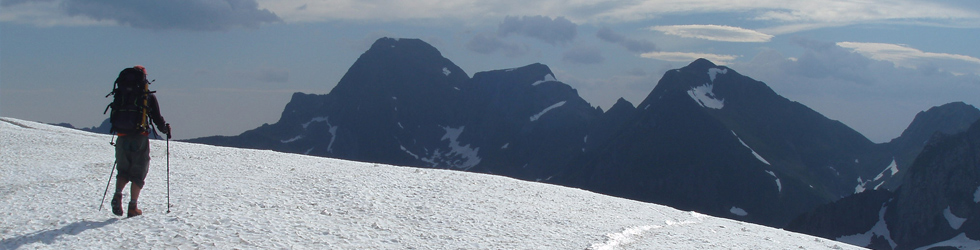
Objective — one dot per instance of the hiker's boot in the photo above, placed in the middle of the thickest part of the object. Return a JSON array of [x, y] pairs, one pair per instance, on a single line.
[[133, 211], [117, 204]]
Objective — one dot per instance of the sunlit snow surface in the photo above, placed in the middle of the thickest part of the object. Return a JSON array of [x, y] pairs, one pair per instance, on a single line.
[[225, 198]]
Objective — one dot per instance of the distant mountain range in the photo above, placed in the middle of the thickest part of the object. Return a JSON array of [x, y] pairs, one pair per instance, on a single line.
[[706, 138], [936, 205]]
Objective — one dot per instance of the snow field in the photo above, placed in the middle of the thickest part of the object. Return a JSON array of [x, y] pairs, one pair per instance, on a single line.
[[53, 179]]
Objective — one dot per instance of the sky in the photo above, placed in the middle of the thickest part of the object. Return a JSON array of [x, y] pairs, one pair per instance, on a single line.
[[226, 66]]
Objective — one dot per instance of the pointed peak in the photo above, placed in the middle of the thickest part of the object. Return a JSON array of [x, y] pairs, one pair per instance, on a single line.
[[622, 101], [621, 104]]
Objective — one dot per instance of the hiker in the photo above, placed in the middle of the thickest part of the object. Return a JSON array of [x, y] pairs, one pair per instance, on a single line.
[[133, 145]]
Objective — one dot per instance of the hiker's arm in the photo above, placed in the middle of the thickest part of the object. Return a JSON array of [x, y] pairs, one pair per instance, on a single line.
[[155, 114]]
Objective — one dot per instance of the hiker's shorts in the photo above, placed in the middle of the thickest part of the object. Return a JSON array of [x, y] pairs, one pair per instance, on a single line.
[[133, 158]]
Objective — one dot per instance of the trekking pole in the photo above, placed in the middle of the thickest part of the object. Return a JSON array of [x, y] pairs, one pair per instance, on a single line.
[[107, 186], [168, 174]]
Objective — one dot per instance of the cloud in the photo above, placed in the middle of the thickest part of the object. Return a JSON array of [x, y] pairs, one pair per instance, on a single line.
[[904, 56], [792, 16], [827, 60], [489, 44], [553, 31], [689, 57], [201, 15], [583, 55], [633, 45], [715, 33]]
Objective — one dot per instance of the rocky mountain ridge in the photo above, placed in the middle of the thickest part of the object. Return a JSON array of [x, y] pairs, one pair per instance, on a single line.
[[706, 138]]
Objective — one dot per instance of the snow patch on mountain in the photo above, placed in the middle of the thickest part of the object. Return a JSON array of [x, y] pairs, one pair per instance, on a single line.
[[891, 169], [738, 211], [459, 156], [713, 72], [316, 119], [547, 78], [954, 221], [779, 184], [879, 229], [860, 186], [961, 241], [445, 71], [704, 96], [549, 108], [332, 129], [757, 156], [292, 139]]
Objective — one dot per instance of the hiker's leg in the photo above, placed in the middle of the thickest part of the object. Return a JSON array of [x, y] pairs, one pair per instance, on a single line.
[[121, 182], [134, 193], [116, 202]]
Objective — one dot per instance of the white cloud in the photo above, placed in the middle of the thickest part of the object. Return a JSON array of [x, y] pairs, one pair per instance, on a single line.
[[904, 56], [580, 11], [689, 57], [850, 11], [714, 33]]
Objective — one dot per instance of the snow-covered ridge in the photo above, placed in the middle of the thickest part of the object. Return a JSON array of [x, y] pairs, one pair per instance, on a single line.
[[223, 198]]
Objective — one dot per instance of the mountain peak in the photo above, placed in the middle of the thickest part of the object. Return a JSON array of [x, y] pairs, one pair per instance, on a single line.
[[400, 64], [402, 44], [529, 75], [701, 63], [948, 118]]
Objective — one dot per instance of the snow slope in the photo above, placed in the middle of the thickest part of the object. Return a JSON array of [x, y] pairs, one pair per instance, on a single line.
[[53, 179]]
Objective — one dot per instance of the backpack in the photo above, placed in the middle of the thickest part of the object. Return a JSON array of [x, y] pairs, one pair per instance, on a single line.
[[129, 103]]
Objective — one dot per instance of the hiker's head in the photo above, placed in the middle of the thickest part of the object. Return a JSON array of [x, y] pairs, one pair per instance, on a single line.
[[141, 68]]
